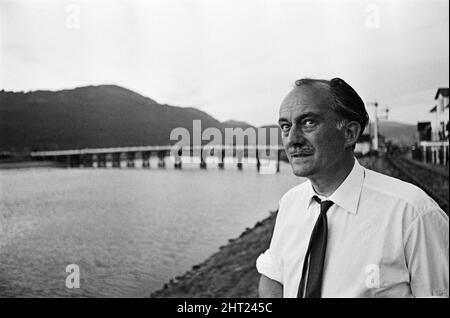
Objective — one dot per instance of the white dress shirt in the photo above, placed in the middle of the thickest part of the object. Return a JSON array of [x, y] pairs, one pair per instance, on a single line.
[[386, 238]]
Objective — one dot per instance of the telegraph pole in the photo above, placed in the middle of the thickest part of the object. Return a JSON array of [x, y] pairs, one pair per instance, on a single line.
[[377, 117], [375, 140]]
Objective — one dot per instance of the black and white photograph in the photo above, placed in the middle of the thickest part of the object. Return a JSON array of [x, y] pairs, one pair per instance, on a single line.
[[242, 150]]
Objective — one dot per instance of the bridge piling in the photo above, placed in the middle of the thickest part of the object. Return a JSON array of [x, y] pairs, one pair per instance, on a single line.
[[202, 159], [161, 162], [116, 159], [63, 159], [278, 160], [221, 164], [239, 156], [101, 160], [130, 159], [146, 159], [87, 160], [177, 164], [74, 161], [258, 163]]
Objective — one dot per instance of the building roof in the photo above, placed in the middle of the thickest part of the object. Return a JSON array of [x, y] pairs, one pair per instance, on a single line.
[[432, 110], [443, 91]]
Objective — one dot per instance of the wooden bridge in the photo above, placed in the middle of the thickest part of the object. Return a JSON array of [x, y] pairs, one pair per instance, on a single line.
[[87, 156]]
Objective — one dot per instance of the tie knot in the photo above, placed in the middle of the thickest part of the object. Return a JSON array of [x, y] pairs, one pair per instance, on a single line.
[[324, 205]]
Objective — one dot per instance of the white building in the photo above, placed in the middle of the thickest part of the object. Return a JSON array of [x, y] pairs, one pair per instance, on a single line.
[[439, 127], [436, 151]]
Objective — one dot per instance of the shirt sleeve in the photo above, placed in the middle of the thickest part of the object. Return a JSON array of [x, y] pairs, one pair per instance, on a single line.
[[268, 266], [427, 254], [269, 263]]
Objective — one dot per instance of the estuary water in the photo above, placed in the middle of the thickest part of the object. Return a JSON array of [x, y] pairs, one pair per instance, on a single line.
[[129, 230]]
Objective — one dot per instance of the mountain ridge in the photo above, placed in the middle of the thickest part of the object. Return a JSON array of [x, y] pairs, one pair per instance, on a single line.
[[89, 117], [105, 116]]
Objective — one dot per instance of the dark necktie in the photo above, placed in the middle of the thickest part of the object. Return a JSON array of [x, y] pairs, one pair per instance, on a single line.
[[311, 282]]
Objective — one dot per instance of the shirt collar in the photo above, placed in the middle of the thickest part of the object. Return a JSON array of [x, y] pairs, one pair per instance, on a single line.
[[347, 194]]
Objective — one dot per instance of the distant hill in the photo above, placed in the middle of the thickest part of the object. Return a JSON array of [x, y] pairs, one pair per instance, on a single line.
[[237, 124], [398, 133], [111, 116], [86, 117]]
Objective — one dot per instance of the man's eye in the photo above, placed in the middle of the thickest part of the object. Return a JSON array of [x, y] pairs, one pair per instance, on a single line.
[[284, 127], [309, 123]]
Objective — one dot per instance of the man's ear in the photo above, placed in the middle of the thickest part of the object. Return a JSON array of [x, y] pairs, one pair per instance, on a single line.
[[351, 130]]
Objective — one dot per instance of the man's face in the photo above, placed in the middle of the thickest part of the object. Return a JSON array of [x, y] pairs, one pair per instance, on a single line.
[[313, 143]]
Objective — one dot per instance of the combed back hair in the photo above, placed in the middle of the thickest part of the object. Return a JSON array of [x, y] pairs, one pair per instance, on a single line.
[[347, 103]]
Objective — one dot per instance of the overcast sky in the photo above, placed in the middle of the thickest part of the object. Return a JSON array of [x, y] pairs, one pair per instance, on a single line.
[[234, 59]]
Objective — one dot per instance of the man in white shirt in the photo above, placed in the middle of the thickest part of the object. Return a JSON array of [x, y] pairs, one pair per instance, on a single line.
[[348, 231]]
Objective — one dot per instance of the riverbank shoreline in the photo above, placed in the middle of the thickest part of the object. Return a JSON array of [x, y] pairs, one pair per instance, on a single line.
[[7, 165], [230, 272]]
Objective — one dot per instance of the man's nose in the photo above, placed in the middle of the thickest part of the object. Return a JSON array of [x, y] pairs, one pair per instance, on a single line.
[[295, 136]]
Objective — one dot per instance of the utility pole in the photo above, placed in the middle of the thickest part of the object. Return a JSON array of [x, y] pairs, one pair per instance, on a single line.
[[377, 117]]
